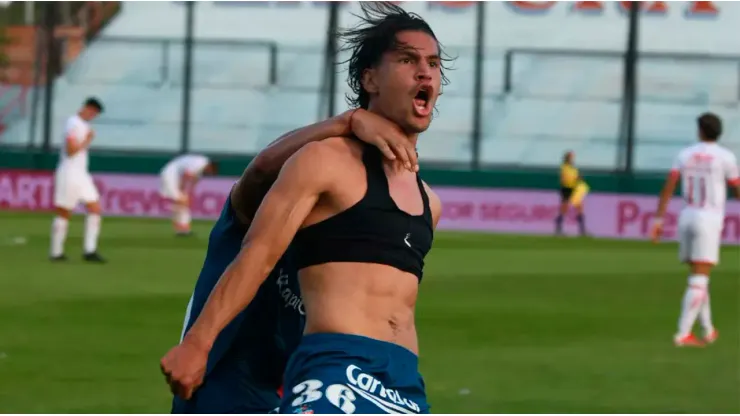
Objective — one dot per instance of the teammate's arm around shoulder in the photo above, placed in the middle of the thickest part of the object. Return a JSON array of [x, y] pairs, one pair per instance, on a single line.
[[435, 205], [368, 127]]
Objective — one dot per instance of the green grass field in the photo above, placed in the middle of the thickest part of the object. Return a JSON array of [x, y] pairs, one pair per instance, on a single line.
[[507, 324]]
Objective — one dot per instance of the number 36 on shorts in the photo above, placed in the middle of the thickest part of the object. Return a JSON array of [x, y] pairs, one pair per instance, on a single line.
[[311, 391]]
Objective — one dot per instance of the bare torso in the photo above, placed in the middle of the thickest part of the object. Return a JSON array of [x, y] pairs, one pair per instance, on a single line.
[[372, 300]]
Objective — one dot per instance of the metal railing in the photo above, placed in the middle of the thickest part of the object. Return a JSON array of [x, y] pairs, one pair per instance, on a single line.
[[618, 56]]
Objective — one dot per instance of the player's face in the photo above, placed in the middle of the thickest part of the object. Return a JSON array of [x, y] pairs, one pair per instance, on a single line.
[[405, 86], [89, 113]]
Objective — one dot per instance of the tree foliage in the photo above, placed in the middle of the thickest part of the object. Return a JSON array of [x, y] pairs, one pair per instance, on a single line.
[[4, 40], [4, 60]]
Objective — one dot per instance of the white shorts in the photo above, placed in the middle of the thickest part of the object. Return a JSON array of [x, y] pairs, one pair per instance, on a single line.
[[699, 236], [72, 188], [169, 186]]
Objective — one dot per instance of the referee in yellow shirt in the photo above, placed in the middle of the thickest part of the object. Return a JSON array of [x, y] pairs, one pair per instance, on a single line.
[[573, 190]]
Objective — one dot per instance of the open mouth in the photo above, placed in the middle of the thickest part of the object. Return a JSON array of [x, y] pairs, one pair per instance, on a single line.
[[421, 101]]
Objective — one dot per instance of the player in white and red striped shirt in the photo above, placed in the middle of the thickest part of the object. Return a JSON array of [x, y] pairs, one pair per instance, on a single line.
[[704, 169]]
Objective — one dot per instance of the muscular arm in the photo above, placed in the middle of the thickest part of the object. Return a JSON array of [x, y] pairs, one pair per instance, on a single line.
[[263, 170], [303, 178]]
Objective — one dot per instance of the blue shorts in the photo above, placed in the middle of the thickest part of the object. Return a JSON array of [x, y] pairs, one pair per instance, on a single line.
[[340, 373], [225, 390]]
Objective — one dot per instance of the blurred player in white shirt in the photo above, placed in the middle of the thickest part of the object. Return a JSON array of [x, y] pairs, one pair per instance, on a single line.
[[704, 169], [74, 184], [177, 180]]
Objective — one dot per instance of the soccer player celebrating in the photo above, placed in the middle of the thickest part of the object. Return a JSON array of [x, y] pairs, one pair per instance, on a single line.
[[246, 363], [74, 184], [362, 229], [177, 180], [703, 168], [573, 189]]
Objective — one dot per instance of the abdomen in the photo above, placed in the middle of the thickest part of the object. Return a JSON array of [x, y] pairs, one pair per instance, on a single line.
[[371, 300]]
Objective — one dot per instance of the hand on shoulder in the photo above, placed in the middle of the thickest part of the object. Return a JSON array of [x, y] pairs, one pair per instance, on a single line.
[[385, 135]]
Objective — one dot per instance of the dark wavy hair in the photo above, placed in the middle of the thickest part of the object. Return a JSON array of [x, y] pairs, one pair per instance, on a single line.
[[373, 37], [710, 126]]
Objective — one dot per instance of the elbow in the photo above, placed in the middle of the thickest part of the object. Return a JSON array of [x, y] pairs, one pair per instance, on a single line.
[[262, 165], [264, 168]]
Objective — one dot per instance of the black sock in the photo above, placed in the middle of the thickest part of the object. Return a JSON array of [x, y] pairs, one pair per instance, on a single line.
[[559, 224], [581, 223]]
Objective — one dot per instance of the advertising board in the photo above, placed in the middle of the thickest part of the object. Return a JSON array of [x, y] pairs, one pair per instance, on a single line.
[[464, 209]]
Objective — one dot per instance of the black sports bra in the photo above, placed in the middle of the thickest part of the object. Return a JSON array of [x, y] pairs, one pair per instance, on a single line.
[[374, 230]]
